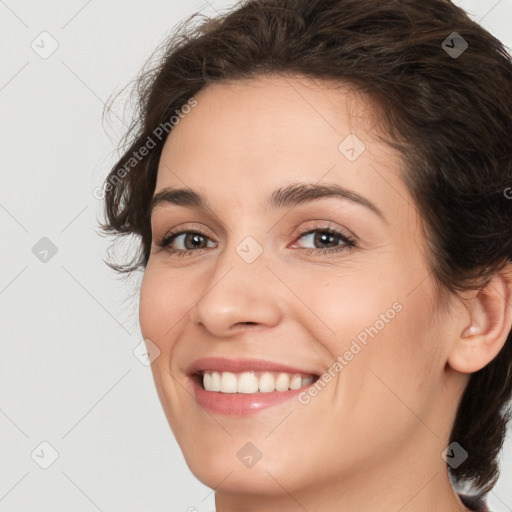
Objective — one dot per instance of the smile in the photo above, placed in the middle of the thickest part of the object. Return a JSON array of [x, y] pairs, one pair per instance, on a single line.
[[245, 386], [253, 382]]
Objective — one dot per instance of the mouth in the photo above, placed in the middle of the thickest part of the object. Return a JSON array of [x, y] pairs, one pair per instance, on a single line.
[[240, 387], [251, 382]]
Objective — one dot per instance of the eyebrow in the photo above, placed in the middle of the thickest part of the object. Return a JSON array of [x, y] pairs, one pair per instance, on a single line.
[[284, 197]]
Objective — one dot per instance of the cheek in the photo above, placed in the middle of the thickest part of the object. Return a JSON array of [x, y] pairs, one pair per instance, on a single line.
[[163, 305], [383, 332], [398, 368], [348, 306]]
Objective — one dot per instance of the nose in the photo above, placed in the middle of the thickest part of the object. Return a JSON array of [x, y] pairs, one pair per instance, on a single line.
[[237, 294]]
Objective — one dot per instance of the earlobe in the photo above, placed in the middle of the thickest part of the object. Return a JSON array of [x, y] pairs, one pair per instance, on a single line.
[[490, 322]]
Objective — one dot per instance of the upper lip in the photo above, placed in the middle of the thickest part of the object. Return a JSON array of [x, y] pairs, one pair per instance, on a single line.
[[222, 364]]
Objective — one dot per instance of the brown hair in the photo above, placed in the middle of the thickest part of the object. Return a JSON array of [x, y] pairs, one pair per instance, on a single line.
[[450, 116]]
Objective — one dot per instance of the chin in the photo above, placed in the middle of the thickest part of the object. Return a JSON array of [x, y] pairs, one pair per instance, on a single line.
[[234, 466]]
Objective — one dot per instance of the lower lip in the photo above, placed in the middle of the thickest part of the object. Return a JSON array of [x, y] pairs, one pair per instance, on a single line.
[[241, 404]]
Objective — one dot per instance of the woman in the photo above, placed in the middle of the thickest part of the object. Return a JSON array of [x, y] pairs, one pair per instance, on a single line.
[[322, 191]]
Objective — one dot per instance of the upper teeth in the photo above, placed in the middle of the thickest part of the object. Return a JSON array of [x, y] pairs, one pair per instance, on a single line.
[[250, 382]]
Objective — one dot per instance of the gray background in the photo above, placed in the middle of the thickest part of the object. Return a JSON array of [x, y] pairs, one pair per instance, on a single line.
[[68, 326]]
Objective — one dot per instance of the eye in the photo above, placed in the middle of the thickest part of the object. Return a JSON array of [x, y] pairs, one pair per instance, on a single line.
[[327, 238], [185, 242]]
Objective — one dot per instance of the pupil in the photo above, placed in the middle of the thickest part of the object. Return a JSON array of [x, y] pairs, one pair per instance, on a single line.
[[195, 239], [326, 238]]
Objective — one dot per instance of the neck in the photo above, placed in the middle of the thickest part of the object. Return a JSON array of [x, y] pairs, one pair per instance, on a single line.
[[436, 495], [405, 482]]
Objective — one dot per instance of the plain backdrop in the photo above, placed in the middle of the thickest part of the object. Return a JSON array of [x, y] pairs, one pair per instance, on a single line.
[[73, 396]]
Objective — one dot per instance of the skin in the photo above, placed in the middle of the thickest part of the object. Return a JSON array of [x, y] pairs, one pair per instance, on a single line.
[[372, 438]]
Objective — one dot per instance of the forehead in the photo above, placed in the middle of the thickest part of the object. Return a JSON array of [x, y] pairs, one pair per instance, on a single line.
[[273, 113], [253, 136]]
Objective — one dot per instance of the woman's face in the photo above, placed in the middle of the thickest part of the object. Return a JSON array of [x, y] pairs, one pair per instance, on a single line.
[[252, 296]]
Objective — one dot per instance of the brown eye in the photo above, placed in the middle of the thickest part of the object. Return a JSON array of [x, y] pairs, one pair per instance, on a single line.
[[184, 242], [326, 236]]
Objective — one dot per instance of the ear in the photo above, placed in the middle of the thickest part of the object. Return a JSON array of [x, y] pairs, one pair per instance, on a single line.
[[490, 321]]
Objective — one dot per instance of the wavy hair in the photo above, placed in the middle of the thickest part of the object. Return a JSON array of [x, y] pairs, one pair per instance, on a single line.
[[449, 115]]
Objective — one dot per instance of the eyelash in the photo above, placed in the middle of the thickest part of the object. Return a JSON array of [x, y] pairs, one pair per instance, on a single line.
[[348, 242]]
